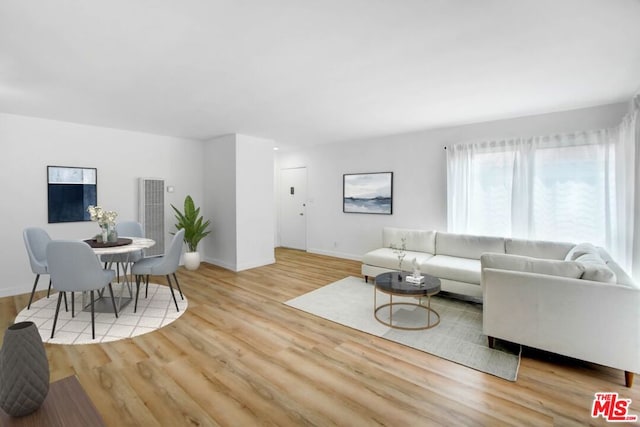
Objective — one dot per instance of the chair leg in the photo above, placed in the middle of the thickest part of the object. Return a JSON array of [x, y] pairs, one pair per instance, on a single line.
[[113, 300], [55, 318], [172, 293], [130, 279], [33, 291], [66, 306], [178, 284], [146, 290], [93, 321], [73, 305], [49, 290], [138, 278]]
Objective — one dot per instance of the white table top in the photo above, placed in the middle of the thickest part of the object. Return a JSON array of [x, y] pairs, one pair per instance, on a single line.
[[136, 244]]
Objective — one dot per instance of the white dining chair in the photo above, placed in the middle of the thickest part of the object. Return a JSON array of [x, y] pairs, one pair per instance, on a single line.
[[74, 267], [161, 266]]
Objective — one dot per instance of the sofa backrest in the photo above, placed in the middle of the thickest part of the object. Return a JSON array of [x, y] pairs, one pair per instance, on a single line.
[[415, 240], [551, 267], [537, 248], [466, 245]]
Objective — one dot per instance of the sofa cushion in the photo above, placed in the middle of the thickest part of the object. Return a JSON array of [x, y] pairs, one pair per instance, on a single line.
[[551, 267], [387, 258], [453, 268], [467, 246], [415, 240], [538, 248], [596, 268]]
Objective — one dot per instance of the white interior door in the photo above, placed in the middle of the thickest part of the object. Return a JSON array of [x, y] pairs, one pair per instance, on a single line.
[[293, 215]]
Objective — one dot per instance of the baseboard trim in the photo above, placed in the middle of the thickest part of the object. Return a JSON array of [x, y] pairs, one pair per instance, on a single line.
[[255, 264], [239, 267], [335, 254], [220, 263]]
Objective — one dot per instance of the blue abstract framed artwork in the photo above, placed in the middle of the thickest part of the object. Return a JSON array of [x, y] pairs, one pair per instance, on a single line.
[[70, 191], [368, 193]]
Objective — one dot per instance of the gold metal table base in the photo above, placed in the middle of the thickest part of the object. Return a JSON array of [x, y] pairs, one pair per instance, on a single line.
[[391, 304]]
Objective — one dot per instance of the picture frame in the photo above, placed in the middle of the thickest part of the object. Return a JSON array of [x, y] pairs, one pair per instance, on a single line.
[[70, 191], [368, 193]]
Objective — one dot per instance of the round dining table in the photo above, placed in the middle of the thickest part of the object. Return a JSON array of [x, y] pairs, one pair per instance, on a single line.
[[124, 246]]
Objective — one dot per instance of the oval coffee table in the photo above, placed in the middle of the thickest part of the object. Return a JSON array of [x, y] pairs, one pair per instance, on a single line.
[[395, 284]]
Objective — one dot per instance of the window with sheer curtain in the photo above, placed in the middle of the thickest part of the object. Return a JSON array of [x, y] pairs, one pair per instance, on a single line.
[[549, 188], [579, 187]]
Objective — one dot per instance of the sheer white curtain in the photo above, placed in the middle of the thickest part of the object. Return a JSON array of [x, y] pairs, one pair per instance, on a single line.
[[560, 187], [627, 244], [479, 187]]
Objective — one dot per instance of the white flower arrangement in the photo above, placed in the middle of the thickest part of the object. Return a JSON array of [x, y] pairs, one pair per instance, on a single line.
[[102, 217]]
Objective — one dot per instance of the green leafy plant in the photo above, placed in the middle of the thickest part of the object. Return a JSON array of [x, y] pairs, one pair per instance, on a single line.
[[195, 228]]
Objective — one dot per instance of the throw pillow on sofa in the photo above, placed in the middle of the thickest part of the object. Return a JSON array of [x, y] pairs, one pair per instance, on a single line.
[[579, 250], [596, 268]]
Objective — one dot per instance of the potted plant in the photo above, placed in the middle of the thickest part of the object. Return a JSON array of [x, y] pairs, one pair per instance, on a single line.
[[195, 229]]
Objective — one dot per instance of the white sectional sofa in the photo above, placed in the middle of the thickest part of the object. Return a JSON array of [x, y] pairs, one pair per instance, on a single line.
[[454, 258], [564, 298]]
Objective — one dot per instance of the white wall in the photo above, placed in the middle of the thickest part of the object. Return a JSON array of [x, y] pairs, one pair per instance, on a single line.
[[418, 162], [219, 164], [255, 202], [121, 157], [239, 195]]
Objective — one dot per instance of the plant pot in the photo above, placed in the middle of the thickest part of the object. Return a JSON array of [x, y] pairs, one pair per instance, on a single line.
[[191, 260], [24, 370]]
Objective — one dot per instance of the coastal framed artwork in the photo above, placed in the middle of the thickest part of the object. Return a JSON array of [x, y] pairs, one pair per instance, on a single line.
[[368, 193]]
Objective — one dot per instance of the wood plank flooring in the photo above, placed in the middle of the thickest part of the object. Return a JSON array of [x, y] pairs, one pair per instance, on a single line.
[[239, 357]]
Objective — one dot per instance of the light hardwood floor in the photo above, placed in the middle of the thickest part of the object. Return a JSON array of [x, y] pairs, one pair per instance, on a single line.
[[240, 357]]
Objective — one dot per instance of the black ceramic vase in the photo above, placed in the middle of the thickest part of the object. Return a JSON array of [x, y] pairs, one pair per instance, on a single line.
[[24, 370]]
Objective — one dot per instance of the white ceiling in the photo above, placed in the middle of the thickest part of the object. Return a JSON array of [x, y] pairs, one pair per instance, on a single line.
[[312, 71]]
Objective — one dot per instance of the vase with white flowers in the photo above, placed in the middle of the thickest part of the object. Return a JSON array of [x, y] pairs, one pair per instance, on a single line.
[[106, 221]]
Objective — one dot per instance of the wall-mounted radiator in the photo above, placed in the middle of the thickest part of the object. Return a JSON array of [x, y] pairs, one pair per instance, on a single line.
[[151, 213]]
